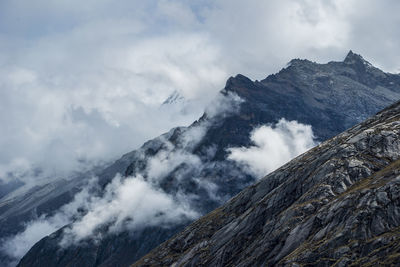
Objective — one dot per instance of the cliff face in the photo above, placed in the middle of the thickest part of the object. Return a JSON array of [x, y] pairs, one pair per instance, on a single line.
[[338, 203], [330, 97]]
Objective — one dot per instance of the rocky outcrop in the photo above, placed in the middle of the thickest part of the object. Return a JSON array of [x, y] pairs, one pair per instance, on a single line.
[[330, 97], [337, 204]]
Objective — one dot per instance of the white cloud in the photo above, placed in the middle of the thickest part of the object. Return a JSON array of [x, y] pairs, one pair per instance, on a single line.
[[83, 82], [261, 36], [16, 246], [134, 202], [223, 105], [273, 146], [58, 118], [129, 203], [166, 161]]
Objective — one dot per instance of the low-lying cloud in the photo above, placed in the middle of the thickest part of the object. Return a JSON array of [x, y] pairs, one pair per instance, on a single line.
[[135, 202], [16, 246], [130, 203], [63, 121], [274, 145], [82, 82], [77, 81]]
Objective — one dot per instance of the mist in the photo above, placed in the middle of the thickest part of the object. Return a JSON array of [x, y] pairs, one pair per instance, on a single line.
[[133, 202], [82, 84], [274, 145]]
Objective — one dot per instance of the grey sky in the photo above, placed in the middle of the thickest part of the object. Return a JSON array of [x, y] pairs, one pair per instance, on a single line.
[[83, 81]]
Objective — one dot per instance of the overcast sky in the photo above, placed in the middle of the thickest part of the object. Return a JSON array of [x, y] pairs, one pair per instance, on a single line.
[[83, 81]]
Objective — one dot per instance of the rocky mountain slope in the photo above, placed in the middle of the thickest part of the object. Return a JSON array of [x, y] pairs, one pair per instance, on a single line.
[[330, 97], [337, 204]]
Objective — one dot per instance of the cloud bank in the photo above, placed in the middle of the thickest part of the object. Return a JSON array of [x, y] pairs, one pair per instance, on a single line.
[[83, 83], [16, 246], [130, 203], [273, 146], [137, 201]]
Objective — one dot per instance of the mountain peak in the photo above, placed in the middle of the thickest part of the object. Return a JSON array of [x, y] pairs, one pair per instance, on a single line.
[[173, 98], [329, 97], [352, 58], [305, 213], [238, 81], [241, 77], [298, 61]]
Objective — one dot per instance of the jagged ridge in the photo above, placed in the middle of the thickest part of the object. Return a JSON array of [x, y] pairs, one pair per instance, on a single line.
[[331, 97], [338, 203]]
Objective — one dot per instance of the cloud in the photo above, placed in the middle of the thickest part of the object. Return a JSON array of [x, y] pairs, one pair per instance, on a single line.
[[16, 246], [268, 34], [223, 105], [167, 160], [129, 203], [134, 202], [126, 203], [58, 119], [84, 82], [273, 146]]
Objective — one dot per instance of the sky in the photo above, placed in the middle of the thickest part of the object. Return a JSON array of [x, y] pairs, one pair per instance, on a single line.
[[82, 83]]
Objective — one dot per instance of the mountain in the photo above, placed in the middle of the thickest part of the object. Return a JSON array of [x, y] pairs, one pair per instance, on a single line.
[[195, 165], [336, 205], [174, 98], [19, 207]]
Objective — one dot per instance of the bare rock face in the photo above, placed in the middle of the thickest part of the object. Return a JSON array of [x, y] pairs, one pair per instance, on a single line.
[[330, 97], [337, 204]]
